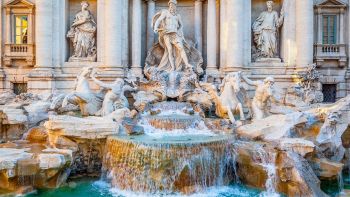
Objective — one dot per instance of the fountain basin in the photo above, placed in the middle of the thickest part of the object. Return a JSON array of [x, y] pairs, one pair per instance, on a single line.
[[183, 164], [172, 122]]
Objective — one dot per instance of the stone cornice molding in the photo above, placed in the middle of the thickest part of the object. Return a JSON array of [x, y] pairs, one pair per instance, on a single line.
[[331, 4], [16, 4]]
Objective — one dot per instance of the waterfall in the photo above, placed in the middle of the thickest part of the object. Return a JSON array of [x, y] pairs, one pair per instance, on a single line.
[[169, 165], [348, 163], [267, 161], [340, 182]]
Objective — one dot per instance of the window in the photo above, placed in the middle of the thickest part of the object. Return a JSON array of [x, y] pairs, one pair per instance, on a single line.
[[329, 29], [19, 88], [21, 28], [329, 93]]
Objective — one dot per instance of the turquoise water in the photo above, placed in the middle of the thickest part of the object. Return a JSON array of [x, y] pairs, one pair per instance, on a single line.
[[91, 188]]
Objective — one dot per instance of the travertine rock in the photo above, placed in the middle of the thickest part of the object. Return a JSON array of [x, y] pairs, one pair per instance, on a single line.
[[51, 160], [10, 156], [297, 145], [36, 135], [13, 114], [37, 112], [273, 127], [291, 173], [6, 97], [89, 127], [326, 169], [20, 168]]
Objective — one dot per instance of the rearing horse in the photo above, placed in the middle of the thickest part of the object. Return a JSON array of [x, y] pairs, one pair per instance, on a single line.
[[227, 103], [83, 96]]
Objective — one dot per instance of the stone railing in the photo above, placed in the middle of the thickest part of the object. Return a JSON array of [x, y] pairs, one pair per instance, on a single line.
[[19, 52], [19, 48], [330, 52]]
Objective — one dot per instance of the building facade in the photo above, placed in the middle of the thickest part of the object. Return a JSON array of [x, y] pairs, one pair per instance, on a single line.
[[37, 50]]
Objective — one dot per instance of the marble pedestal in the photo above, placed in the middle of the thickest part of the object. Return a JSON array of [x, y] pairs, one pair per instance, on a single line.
[[269, 60]]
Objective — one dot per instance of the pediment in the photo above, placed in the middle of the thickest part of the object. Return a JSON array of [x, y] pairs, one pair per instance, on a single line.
[[331, 3], [19, 3]]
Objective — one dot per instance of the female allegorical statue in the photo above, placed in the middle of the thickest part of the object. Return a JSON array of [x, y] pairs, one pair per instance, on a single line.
[[82, 34], [265, 30]]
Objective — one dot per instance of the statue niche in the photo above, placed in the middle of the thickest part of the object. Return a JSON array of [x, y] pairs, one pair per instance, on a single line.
[[83, 35], [265, 32], [172, 60]]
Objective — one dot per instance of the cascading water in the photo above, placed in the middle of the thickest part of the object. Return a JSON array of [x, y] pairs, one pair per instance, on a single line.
[[168, 165], [267, 160], [340, 182], [348, 163], [166, 159]]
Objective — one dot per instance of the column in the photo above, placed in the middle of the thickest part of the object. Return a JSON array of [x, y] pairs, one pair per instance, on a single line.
[[30, 29], [136, 38], [8, 26], [198, 15], [288, 34], [305, 32], [43, 34], [151, 11], [320, 26], [341, 25], [223, 34], [211, 38], [100, 19], [125, 34], [233, 41], [113, 37]]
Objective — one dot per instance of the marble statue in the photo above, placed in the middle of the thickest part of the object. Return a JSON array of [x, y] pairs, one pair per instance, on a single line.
[[88, 101], [172, 52], [114, 98], [228, 102], [264, 94], [265, 29], [172, 67], [83, 35], [329, 138], [168, 24], [310, 83]]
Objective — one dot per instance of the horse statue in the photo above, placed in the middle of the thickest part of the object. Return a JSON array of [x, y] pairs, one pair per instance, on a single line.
[[88, 101], [228, 101]]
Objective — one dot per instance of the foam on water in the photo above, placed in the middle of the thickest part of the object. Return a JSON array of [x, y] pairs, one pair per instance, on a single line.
[[224, 191], [199, 129]]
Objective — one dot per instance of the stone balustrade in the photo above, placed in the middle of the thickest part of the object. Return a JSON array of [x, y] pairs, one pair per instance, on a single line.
[[19, 52], [330, 51]]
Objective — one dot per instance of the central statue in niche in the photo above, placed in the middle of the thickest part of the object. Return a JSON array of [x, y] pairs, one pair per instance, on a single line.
[[169, 26], [172, 62], [265, 29]]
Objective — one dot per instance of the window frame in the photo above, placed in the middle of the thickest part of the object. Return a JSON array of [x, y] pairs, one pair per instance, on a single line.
[[335, 28], [14, 27]]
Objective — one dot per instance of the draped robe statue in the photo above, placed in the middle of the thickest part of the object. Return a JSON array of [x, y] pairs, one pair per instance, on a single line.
[[82, 34], [265, 29], [169, 26]]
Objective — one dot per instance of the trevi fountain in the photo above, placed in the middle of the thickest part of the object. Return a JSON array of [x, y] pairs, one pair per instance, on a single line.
[[175, 130]]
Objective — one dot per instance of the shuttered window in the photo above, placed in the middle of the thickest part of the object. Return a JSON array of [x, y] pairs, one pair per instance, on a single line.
[[329, 29]]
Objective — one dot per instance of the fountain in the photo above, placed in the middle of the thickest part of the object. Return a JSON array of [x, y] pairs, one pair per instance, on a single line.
[[165, 143]]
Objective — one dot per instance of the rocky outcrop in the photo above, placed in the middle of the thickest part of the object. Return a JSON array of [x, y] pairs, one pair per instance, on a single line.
[[273, 127], [22, 168], [17, 117], [297, 145], [288, 172]]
